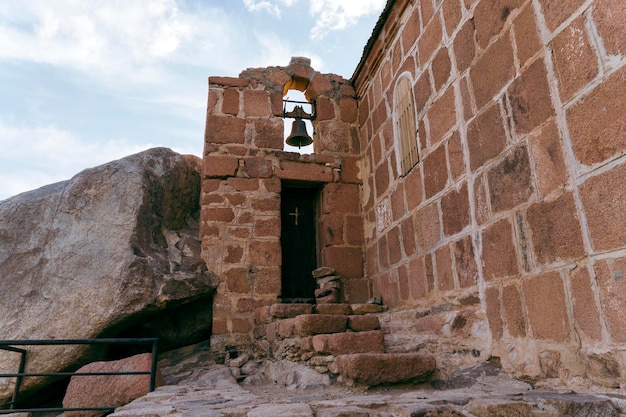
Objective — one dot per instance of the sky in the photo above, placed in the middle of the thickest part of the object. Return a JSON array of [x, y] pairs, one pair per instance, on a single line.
[[85, 82]]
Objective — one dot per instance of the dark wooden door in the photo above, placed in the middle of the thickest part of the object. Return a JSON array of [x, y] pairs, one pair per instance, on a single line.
[[298, 214]]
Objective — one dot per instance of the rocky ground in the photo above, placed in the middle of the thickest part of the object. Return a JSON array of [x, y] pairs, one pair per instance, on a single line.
[[198, 386]]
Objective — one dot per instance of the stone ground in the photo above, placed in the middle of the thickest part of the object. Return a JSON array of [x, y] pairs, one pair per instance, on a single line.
[[201, 390]]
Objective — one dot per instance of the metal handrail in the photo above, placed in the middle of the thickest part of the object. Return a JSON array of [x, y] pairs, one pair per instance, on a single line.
[[8, 345]]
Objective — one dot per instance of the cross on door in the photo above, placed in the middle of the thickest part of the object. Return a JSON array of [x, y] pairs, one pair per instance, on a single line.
[[295, 214]]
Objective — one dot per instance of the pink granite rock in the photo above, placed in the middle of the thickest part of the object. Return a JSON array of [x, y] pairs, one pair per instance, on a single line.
[[104, 391], [386, 368]]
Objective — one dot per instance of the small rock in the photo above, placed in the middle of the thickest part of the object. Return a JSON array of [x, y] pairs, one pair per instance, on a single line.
[[323, 272], [239, 361]]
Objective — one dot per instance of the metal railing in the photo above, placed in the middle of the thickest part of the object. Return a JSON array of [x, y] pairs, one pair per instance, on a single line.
[[9, 345]]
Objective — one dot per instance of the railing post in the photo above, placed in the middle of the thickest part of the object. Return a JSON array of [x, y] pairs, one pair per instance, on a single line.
[[154, 365]]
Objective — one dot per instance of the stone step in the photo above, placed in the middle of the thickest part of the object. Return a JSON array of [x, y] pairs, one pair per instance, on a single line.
[[348, 342], [385, 368]]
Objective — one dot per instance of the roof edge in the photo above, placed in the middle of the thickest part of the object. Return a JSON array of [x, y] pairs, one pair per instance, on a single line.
[[370, 42]]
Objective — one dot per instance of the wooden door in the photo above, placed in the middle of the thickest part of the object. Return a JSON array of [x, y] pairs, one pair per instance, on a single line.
[[298, 232]]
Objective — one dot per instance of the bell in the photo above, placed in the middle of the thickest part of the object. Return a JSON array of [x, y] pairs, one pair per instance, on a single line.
[[299, 136]]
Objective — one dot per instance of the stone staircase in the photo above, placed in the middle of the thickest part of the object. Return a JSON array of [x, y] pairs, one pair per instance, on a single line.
[[342, 340]]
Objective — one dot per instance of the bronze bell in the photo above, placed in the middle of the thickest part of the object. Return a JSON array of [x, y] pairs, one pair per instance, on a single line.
[[298, 136]]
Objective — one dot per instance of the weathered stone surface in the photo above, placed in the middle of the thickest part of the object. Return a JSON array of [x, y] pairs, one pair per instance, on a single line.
[[367, 308], [109, 391], [113, 242], [310, 324], [363, 323], [354, 342], [286, 310], [386, 368]]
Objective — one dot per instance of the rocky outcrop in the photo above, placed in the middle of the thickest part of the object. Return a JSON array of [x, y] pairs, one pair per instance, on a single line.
[[100, 254], [107, 390]]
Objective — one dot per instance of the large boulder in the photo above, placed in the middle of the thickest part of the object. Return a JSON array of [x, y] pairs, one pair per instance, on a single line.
[[100, 254]]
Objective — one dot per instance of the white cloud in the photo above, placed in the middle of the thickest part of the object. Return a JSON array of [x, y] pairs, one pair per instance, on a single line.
[[33, 157], [336, 15], [274, 8], [124, 40]]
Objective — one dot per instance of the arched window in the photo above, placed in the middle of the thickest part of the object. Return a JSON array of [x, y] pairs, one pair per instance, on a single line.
[[405, 127]]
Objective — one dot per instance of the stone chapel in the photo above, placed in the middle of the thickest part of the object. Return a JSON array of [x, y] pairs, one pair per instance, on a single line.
[[470, 176]]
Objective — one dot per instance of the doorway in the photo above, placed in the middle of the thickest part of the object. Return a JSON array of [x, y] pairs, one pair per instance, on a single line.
[[299, 244]]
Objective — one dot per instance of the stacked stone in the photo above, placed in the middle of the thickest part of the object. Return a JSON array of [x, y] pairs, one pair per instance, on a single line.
[[328, 286]]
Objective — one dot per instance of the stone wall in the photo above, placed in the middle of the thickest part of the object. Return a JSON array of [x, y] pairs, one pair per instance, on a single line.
[[508, 237], [243, 174]]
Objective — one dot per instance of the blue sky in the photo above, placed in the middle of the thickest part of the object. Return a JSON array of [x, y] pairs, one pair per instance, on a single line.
[[84, 82]]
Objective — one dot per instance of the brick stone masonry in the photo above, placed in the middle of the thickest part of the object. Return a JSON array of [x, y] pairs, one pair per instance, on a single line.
[[507, 239]]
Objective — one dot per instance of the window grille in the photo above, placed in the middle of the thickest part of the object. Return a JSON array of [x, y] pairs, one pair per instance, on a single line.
[[406, 128]]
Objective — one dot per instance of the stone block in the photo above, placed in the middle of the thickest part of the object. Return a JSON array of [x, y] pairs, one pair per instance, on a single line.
[[222, 129], [354, 230], [493, 70], [242, 184], [526, 35], [230, 101], [452, 13], [408, 236], [105, 391], [363, 323], [441, 67], [513, 311], [324, 109], [494, 313], [486, 136], [417, 278], [465, 46], [445, 277], [490, 18], [218, 214], [267, 280], [442, 115], [609, 16], [435, 171], [529, 98], [428, 226], [556, 12], [605, 207], [413, 189], [228, 81], [341, 198], [586, 316], [353, 342], [337, 309], [386, 368], [214, 166], [575, 61], [422, 90], [335, 136], [411, 30], [237, 280], [357, 290], [545, 297], [318, 85], [269, 133], [212, 101], [556, 230], [430, 40], [332, 229], [262, 315], [596, 123], [348, 109], [510, 181], [290, 170], [287, 328], [358, 309], [347, 260], [393, 245], [498, 255], [466, 268], [612, 285], [286, 310], [455, 156], [312, 324], [256, 103], [258, 168], [455, 210], [266, 227], [351, 170], [264, 253], [547, 153]]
